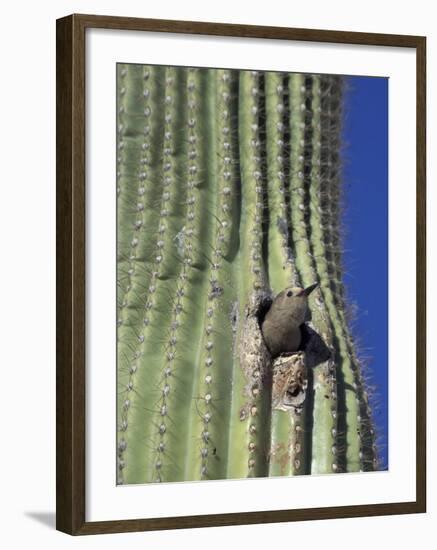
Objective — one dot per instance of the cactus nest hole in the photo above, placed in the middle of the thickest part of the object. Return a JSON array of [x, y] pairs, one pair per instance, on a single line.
[[290, 382], [287, 375]]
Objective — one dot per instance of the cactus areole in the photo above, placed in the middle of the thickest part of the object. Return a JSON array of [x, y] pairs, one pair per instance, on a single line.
[[234, 356]]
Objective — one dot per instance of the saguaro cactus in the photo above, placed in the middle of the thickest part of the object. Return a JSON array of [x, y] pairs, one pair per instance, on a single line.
[[228, 191]]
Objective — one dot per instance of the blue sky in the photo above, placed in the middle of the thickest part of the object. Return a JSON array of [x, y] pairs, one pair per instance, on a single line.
[[365, 176]]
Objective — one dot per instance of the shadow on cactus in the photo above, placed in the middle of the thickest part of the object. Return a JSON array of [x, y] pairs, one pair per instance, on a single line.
[[235, 358]]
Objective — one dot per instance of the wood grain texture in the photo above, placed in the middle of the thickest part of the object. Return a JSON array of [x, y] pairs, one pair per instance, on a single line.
[[70, 277], [246, 31], [71, 280]]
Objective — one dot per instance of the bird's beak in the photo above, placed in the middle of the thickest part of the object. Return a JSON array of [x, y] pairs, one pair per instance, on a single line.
[[310, 288]]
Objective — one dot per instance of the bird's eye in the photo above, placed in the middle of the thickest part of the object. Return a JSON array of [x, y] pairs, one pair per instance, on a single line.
[[289, 293]]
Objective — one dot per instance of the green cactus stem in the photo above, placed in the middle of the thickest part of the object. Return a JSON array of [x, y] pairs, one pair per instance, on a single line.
[[331, 93], [228, 191]]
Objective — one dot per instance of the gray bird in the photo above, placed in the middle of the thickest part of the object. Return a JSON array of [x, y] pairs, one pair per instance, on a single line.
[[281, 327]]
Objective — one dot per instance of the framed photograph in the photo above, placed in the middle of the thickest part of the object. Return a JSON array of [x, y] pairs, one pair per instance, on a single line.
[[240, 274]]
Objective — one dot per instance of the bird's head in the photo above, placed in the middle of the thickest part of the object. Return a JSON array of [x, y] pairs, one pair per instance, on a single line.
[[293, 302]]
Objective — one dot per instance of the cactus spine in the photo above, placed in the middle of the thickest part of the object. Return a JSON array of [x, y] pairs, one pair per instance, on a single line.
[[228, 190]]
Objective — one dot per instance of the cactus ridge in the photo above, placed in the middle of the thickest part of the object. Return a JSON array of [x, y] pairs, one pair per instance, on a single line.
[[324, 415], [229, 190], [137, 172], [254, 275]]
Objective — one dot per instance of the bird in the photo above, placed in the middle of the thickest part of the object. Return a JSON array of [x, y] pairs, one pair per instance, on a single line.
[[282, 324]]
